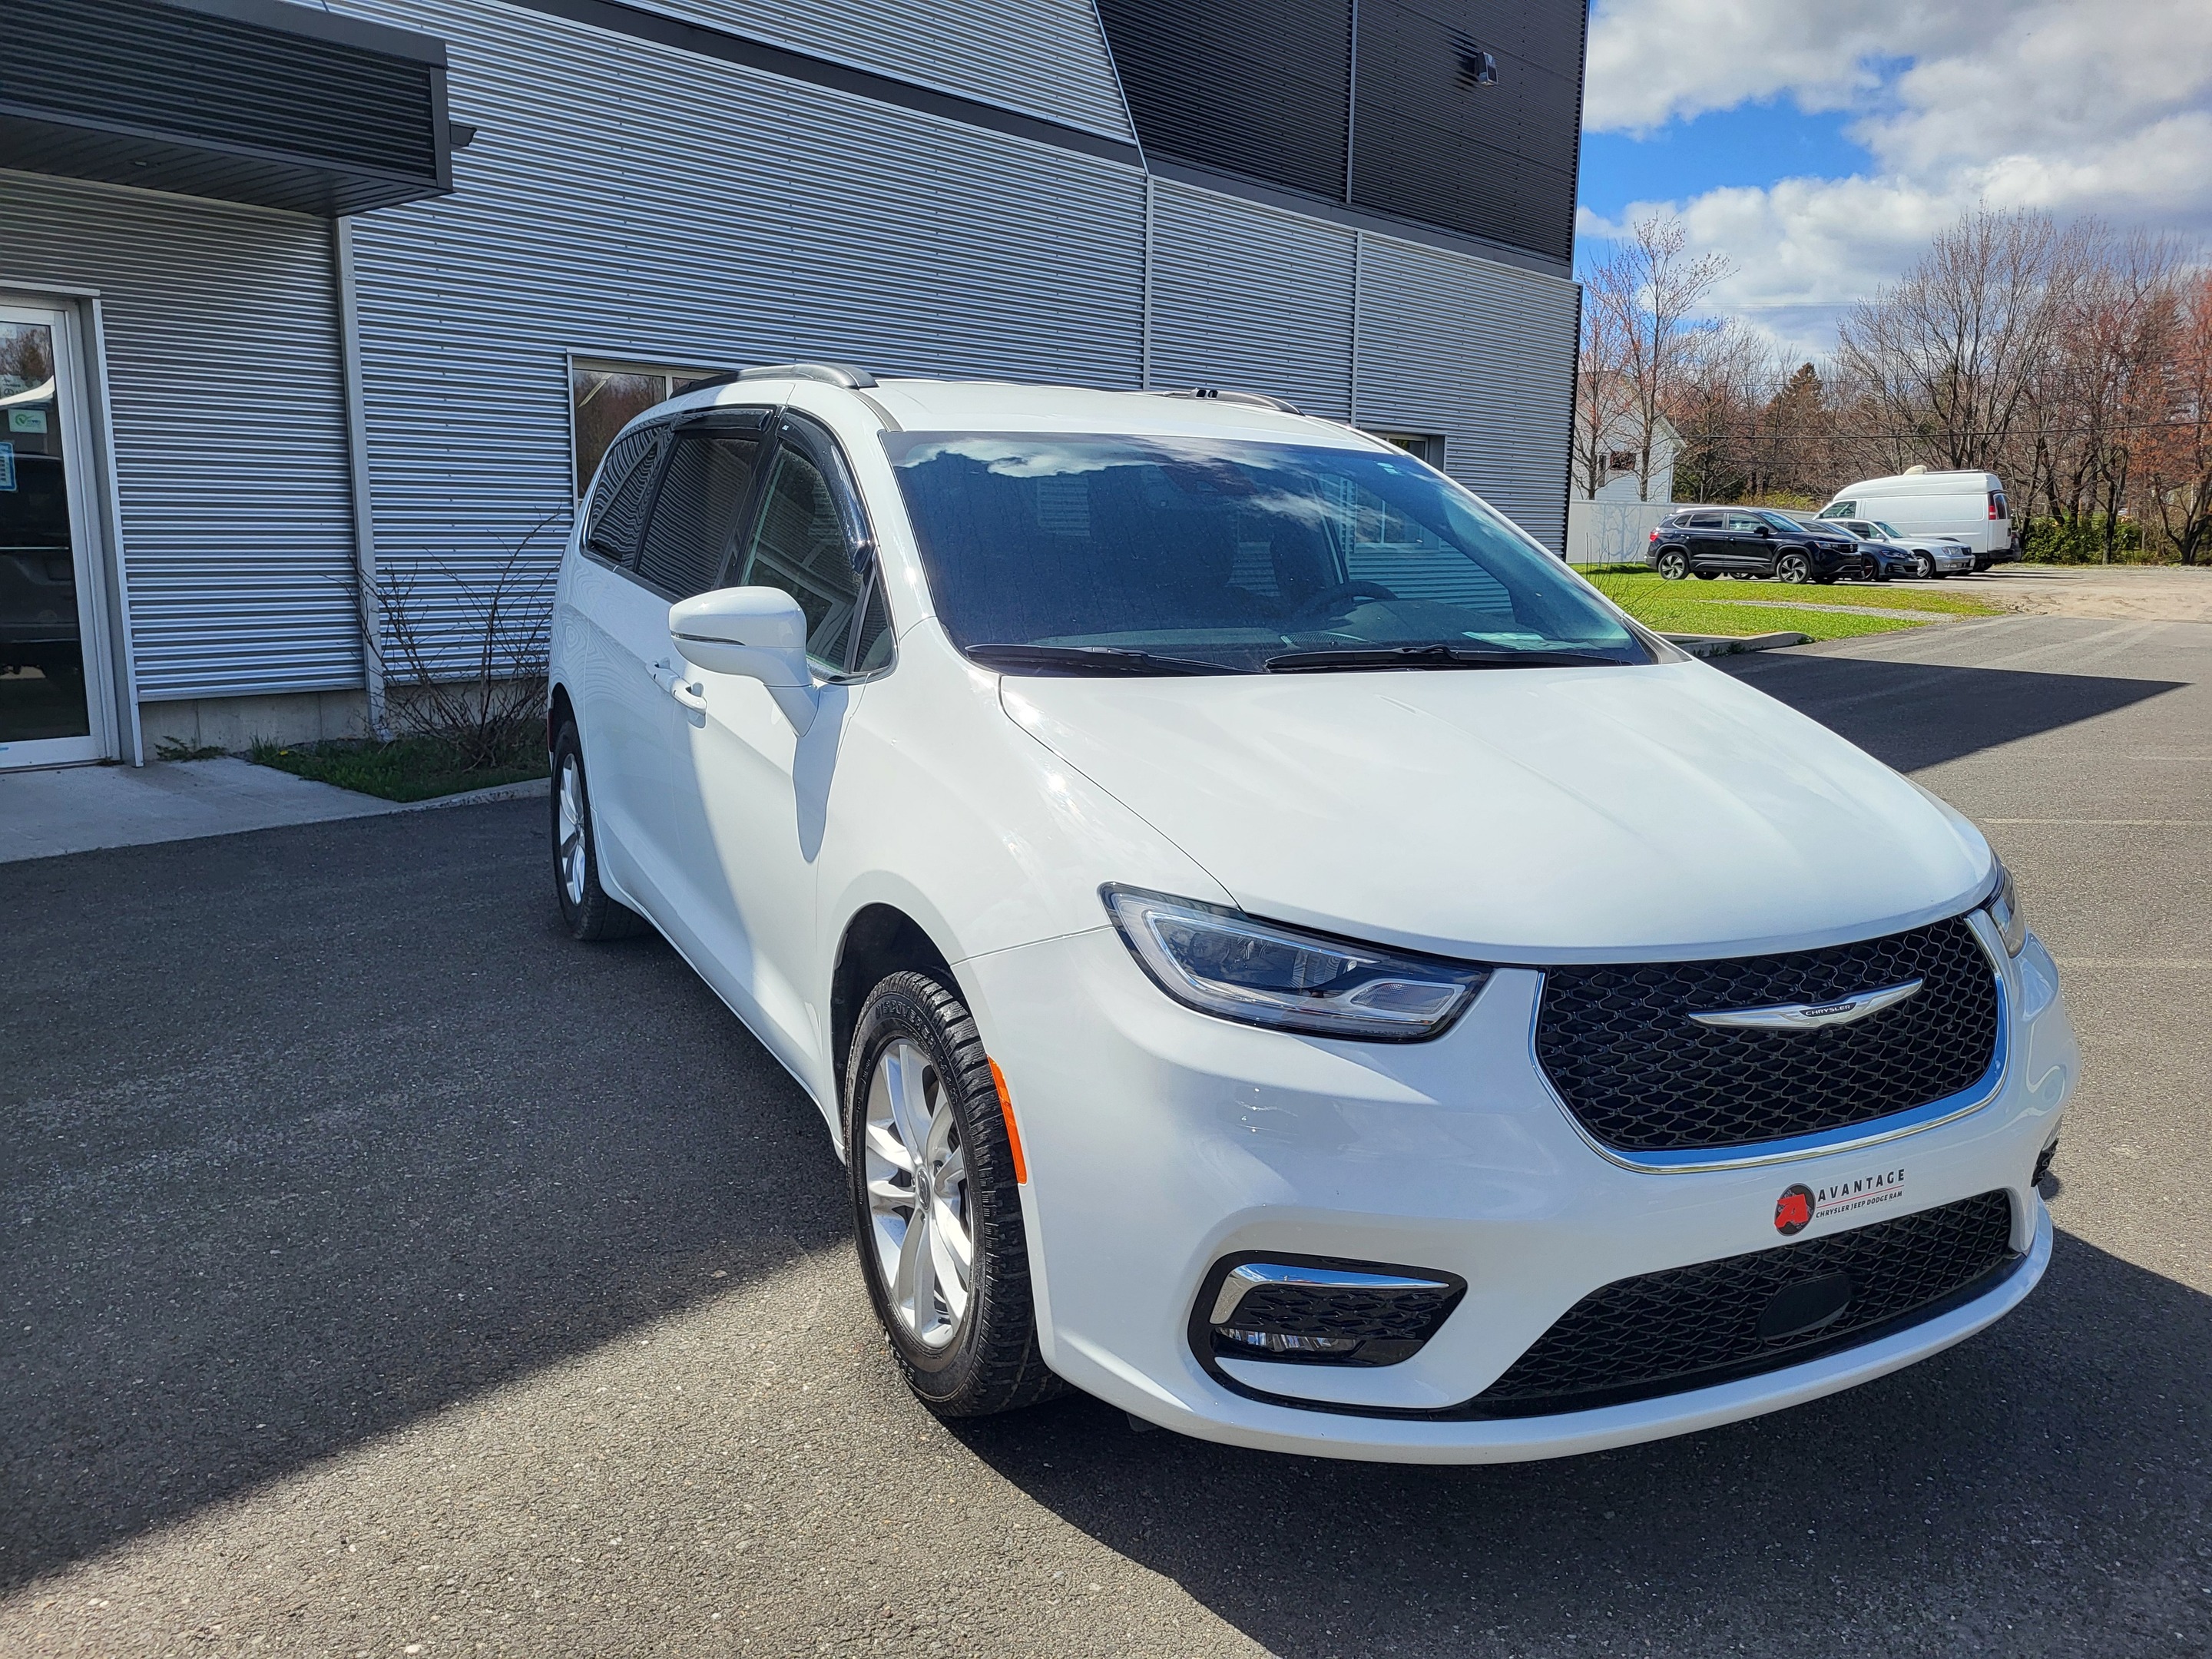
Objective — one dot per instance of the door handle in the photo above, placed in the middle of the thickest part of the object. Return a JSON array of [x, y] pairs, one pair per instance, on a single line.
[[692, 694]]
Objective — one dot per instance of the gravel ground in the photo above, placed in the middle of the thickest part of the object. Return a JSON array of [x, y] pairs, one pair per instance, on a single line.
[[388, 1275], [2120, 593]]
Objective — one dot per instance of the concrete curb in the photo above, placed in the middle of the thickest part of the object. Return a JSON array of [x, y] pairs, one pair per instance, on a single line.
[[528, 789], [1728, 645]]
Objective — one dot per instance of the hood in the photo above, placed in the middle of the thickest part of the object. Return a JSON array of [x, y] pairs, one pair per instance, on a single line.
[[1524, 815]]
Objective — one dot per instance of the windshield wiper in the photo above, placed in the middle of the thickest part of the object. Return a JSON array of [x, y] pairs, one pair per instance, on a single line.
[[1427, 656], [1090, 659]]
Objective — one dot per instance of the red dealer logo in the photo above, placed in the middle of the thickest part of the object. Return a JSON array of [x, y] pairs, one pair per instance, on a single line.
[[1793, 1211]]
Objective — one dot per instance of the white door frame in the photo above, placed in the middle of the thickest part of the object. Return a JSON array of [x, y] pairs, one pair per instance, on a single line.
[[81, 466]]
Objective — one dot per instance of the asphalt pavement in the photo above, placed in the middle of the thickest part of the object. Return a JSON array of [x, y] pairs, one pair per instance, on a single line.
[[387, 1275]]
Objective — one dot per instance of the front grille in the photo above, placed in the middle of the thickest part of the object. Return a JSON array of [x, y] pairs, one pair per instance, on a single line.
[[1693, 1327], [1616, 1041]]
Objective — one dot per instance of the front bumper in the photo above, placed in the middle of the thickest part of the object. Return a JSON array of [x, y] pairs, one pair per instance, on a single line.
[[1159, 1140]]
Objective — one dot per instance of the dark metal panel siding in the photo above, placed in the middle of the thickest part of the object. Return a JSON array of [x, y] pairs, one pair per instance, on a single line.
[[228, 425], [1260, 90], [1493, 161], [1250, 297], [1482, 355], [162, 69], [629, 201], [1043, 57]]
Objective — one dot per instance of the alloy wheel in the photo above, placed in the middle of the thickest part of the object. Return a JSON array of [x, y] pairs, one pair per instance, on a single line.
[[568, 831], [917, 1180], [1924, 567], [1794, 567]]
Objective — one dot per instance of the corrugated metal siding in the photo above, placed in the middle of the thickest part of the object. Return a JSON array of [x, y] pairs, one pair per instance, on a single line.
[[1247, 297], [1482, 353], [625, 200], [228, 425], [1257, 86], [1044, 58]]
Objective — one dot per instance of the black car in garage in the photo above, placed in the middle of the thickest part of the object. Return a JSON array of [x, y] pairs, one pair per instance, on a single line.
[[1706, 542]]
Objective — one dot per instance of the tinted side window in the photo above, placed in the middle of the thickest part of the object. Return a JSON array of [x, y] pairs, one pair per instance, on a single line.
[[619, 504], [872, 650], [1703, 521], [802, 546], [707, 482]]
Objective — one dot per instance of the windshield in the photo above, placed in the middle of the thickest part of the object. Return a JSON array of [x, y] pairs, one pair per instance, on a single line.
[[1784, 521], [1886, 529], [1202, 552]]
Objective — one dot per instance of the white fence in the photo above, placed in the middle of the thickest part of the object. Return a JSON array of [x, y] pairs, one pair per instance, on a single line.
[[1612, 532]]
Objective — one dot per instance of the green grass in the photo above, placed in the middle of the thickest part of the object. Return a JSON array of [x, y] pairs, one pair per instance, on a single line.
[[406, 768], [1727, 607]]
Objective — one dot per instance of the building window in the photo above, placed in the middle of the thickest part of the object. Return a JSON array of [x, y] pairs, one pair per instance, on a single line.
[[607, 396], [1621, 460], [1425, 445]]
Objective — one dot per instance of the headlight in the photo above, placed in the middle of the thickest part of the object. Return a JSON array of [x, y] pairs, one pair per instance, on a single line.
[[1222, 961], [2004, 910]]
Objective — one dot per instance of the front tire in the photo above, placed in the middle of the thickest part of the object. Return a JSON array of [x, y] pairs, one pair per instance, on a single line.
[[1793, 567], [585, 906], [1924, 566], [937, 1211]]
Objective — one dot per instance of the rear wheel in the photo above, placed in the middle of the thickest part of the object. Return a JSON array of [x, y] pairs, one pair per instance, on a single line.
[[585, 906], [936, 1208], [1673, 565], [1706, 576]]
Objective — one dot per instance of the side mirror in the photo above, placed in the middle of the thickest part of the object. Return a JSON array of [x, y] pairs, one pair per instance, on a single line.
[[1766, 530], [757, 632]]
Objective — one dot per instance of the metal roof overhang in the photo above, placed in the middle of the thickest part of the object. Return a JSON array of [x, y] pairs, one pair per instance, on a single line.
[[242, 100]]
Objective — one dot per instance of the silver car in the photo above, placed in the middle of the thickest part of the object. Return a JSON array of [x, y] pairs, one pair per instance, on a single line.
[[1932, 556]]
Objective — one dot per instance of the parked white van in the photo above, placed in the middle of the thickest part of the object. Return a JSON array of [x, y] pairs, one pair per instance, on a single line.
[[1967, 507]]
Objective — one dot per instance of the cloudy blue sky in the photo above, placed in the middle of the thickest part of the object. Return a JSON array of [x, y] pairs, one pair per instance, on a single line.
[[1818, 144]]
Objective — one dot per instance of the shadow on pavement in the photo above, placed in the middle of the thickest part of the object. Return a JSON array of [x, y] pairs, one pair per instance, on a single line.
[[312, 1132], [2041, 1488], [1916, 714]]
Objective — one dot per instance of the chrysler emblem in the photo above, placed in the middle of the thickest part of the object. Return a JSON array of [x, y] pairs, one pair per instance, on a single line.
[[1810, 1016]]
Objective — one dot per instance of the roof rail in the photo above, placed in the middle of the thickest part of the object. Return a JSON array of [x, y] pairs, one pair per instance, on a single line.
[[1222, 394], [843, 374]]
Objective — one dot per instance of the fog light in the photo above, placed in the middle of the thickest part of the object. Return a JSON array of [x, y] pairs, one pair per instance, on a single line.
[[1282, 1342], [1320, 1312]]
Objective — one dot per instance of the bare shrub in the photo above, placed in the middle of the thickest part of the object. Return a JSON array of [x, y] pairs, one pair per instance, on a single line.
[[463, 661]]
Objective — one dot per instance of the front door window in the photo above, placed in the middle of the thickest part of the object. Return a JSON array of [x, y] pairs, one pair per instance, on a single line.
[[46, 705]]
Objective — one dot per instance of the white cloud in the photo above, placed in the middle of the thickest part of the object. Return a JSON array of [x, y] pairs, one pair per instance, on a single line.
[[2073, 106]]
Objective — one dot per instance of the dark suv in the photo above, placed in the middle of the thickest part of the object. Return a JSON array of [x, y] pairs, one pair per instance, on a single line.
[[1748, 541]]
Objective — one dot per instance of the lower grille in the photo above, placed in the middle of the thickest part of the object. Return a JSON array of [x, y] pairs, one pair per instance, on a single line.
[[1689, 1327]]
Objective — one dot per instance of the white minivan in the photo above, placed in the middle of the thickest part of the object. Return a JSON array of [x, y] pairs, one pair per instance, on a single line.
[[1275, 949], [1968, 507]]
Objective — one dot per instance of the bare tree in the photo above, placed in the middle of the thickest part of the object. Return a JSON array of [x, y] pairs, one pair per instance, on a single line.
[[1727, 374], [2176, 464], [1602, 394], [1944, 362], [1650, 288], [2115, 330]]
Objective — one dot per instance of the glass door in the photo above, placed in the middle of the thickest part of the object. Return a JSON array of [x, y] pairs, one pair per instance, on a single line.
[[53, 705]]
